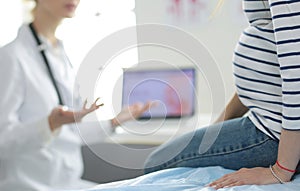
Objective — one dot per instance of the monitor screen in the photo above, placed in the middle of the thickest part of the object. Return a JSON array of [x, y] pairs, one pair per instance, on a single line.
[[172, 90]]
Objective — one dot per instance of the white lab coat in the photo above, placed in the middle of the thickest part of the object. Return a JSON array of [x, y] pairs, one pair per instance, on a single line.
[[31, 156]]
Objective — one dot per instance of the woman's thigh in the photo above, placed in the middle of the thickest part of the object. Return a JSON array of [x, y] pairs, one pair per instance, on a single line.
[[232, 144]]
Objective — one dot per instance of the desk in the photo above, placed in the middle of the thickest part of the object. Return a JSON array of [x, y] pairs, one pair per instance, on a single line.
[[121, 155], [154, 135], [99, 170]]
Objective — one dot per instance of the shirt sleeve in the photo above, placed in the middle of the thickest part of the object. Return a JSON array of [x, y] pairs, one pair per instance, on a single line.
[[17, 137], [286, 23]]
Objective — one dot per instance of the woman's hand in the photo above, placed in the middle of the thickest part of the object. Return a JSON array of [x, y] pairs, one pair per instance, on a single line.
[[131, 112], [61, 115], [250, 176]]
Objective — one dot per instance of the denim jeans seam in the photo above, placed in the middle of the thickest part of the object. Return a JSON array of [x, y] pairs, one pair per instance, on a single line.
[[240, 149], [216, 154]]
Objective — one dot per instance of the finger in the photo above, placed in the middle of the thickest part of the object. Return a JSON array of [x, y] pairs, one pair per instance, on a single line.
[[225, 183], [86, 111], [97, 99], [134, 108], [95, 105], [227, 180], [84, 104], [220, 180], [216, 182], [101, 104], [149, 105], [138, 110], [233, 184], [145, 108], [154, 103], [137, 105]]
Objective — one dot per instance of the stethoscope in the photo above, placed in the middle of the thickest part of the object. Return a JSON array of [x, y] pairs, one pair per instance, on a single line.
[[42, 51]]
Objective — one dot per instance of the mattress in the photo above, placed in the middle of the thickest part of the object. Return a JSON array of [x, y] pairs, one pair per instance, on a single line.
[[188, 179]]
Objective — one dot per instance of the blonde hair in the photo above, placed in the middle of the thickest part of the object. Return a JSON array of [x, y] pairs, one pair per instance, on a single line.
[[29, 9]]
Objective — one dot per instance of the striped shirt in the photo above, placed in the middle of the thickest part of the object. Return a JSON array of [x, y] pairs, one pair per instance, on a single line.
[[267, 65]]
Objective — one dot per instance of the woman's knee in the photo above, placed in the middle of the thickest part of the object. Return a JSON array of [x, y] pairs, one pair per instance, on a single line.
[[169, 152]]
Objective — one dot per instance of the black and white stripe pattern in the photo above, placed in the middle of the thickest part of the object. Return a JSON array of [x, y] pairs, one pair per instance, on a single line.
[[267, 64]]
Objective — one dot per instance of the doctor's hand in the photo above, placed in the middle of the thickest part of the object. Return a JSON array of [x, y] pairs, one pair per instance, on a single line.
[[131, 112], [61, 115]]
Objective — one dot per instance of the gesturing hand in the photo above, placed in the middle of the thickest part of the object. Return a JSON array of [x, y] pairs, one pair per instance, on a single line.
[[61, 115], [131, 112], [248, 176]]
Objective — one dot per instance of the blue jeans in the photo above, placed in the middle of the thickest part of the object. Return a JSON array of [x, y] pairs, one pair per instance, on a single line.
[[238, 143]]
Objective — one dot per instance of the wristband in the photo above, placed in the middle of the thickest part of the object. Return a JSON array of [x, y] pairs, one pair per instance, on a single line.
[[283, 168]]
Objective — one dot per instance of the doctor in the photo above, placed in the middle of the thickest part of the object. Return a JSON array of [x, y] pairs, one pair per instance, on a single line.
[[39, 146]]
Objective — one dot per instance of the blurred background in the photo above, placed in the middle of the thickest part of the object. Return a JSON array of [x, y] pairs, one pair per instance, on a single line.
[[96, 19], [218, 31]]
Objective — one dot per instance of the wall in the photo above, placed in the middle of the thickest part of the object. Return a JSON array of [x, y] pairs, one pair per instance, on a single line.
[[218, 34], [10, 19]]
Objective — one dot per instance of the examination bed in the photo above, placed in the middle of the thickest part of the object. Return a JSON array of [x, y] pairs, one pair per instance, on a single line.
[[188, 179]]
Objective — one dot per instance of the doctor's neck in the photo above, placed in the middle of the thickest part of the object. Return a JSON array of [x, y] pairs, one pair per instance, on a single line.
[[46, 26]]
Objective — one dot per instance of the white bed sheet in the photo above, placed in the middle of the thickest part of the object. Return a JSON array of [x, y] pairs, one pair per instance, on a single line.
[[188, 179]]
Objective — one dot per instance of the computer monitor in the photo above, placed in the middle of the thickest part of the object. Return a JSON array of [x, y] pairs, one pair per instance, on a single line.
[[173, 91]]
